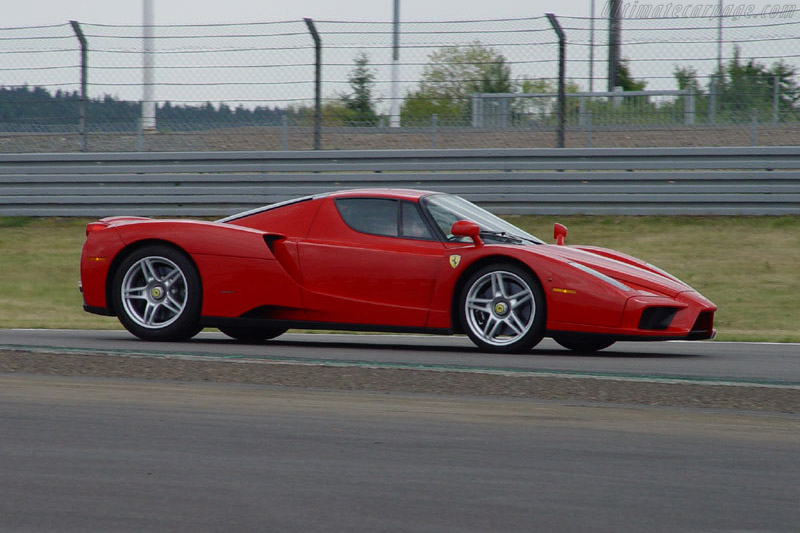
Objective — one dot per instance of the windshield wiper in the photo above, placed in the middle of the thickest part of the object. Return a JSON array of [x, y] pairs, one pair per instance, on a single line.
[[503, 235]]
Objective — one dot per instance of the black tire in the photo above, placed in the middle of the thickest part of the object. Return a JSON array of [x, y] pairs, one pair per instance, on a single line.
[[502, 309], [249, 334], [583, 344], [157, 294]]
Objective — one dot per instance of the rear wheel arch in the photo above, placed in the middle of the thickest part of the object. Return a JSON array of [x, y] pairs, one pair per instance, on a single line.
[[130, 249], [157, 292]]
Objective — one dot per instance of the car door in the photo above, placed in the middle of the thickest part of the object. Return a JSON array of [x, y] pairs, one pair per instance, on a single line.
[[370, 261]]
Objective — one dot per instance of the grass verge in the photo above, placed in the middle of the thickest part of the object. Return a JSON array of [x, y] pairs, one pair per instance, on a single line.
[[748, 266]]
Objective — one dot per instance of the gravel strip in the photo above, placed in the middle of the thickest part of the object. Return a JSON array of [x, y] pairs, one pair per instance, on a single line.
[[344, 138], [580, 389]]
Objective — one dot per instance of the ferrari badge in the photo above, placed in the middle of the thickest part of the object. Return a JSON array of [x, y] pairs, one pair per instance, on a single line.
[[455, 260]]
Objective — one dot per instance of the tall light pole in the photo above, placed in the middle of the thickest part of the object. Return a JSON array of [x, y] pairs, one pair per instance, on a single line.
[[148, 79], [394, 118], [591, 46]]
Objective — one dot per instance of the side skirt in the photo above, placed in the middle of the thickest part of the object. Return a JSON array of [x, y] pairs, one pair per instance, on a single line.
[[215, 322]]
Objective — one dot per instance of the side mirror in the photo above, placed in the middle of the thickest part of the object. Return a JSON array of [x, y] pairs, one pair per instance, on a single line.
[[559, 233], [465, 228]]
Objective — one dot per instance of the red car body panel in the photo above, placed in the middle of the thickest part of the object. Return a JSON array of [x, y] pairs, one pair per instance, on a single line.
[[301, 263]]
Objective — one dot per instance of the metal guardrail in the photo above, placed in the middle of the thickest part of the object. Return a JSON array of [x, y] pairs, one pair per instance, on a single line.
[[633, 181]]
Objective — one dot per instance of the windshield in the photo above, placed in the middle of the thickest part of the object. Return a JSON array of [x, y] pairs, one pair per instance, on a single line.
[[447, 209]]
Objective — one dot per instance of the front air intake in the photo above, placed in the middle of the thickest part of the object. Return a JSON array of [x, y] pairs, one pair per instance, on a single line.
[[657, 318], [703, 327]]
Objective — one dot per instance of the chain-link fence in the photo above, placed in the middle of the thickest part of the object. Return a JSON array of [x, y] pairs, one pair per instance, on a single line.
[[698, 80]]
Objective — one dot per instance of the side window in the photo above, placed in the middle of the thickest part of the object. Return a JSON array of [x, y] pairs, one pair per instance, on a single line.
[[411, 223], [377, 216]]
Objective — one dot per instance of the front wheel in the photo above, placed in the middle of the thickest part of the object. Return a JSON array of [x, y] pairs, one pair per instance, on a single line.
[[157, 294], [502, 309]]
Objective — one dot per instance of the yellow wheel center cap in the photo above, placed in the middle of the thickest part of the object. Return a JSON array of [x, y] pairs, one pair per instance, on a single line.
[[157, 292], [500, 308]]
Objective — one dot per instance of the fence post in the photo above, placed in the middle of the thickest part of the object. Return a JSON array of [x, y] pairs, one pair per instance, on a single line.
[[434, 130], [712, 99], [140, 130], [477, 110], [589, 129], [615, 9], [688, 107], [285, 132], [775, 98], [754, 127], [84, 82], [562, 59], [317, 84]]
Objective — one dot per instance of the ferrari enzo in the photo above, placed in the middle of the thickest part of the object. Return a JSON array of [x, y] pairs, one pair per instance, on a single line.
[[379, 260]]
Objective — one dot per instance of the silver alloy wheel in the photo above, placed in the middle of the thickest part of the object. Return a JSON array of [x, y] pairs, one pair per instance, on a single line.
[[154, 292], [500, 308]]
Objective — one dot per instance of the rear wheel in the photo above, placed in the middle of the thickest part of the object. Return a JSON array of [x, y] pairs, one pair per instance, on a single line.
[[157, 294], [583, 345], [502, 309], [249, 334]]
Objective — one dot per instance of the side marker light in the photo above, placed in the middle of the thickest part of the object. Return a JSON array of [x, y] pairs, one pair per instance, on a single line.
[[564, 291]]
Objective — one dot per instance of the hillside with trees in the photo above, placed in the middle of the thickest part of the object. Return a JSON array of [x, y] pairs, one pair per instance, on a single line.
[[37, 109]]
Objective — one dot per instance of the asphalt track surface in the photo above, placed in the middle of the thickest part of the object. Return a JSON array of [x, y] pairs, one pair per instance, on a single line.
[[89, 454], [749, 363], [98, 454]]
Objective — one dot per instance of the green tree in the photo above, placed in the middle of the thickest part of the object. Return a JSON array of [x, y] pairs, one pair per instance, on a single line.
[[360, 102], [742, 88], [453, 74], [538, 109], [749, 86], [625, 79], [686, 77]]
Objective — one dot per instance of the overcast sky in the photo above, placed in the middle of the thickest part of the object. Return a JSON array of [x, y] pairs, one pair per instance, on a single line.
[[42, 12], [650, 59]]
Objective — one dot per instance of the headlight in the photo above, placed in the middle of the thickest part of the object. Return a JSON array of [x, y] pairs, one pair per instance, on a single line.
[[600, 275]]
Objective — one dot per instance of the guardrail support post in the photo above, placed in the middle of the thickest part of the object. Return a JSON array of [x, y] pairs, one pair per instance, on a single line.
[[84, 81], [562, 60], [317, 84]]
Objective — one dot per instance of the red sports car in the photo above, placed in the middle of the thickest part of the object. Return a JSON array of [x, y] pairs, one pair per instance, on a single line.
[[379, 260]]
